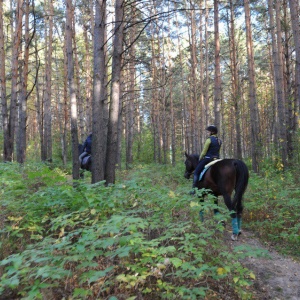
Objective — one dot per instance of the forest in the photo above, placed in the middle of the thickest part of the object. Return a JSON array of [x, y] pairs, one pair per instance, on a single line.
[[145, 78]]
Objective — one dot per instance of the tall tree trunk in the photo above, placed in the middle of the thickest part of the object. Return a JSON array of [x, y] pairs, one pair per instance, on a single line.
[[254, 135], [79, 98], [279, 87], [218, 83], [47, 112], [206, 93], [3, 87], [99, 145], [88, 88], [172, 117], [64, 107], [163, 128], [112, 135], [14, 82], [295, 10], [131, 98], [194, 84], [281, 91], [155, 121], [72, 89], [202, 121], [185, 125], [38, 102], [235, 83], [22, 132], [290, 108]]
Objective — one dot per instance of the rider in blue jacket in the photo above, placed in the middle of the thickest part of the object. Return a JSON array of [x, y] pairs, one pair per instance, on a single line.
[[87, 148]]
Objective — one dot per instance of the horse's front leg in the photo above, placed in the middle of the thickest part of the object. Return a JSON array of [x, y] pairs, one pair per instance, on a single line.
[[238, 221], [216, 210], [201, 212]]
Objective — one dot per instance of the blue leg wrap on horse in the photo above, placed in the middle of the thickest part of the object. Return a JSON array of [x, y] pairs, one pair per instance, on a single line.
[[235, 228], [201, 214], [239, 221]]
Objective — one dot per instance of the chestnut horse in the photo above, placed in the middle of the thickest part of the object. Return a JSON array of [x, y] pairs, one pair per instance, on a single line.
[[222, 178]]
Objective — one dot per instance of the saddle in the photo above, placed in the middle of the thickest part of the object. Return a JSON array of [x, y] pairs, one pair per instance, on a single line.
[[206, 167]]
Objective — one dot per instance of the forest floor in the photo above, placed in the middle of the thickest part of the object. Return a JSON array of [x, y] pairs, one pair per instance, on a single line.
[[277, 276]]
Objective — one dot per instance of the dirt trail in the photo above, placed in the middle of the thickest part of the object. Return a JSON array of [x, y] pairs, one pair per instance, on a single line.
[[277, 276]]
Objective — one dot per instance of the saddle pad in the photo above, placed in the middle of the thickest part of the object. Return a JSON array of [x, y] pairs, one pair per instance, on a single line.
[[85, 160], [206, 167], [212, 163]]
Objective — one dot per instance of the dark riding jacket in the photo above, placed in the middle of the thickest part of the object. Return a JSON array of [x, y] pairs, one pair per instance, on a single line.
[[211, 148], [87, 146]]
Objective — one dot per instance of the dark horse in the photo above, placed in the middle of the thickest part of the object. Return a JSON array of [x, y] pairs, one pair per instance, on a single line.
[[222, 178], [87, 161]]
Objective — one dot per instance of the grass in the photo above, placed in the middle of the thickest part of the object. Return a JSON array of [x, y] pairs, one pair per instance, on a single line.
[[140, 237]]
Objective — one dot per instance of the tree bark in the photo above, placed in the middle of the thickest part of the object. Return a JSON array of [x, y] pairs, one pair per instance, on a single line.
[[64, 106], [88, 88], [99, 145], [172, 117], [155, 120], [3, 87], [14, 83], [254, 134], [235, 84], [112, 135], [295, 10], [194, 84], [278, 84], [47, 112], [131, 95], [72, 89], [218, 83], [22, 132], [79, 98]]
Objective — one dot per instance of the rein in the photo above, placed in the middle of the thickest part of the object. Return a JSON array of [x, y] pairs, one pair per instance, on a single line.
[[190, 173]]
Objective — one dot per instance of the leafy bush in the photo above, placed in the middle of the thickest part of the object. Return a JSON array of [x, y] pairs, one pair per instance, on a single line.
[[141, 236], [272, 208]]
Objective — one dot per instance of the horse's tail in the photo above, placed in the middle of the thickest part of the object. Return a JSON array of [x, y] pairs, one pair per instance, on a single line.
[[242, 177]]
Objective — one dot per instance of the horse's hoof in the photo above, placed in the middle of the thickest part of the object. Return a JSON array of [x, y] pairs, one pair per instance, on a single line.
[[240, 232], [234, 237]]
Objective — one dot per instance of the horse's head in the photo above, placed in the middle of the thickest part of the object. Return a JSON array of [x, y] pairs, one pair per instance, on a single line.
[[190, 164]]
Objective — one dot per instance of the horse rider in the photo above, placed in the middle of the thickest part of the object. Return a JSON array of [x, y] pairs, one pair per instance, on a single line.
[[210, 152], [86, 148]]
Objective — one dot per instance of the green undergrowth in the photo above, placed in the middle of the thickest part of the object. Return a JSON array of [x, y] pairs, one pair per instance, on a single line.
[[272, 209], [139, 238]]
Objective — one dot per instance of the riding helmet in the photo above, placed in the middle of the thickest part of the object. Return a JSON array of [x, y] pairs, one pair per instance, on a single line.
[[212, 128]]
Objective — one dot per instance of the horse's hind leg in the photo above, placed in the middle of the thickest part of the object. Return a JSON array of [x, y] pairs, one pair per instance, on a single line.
[[236, 221], [234, 218], [239, 211]]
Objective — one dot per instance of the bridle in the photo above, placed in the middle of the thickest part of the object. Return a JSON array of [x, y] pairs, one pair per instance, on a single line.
[[188, 174]]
